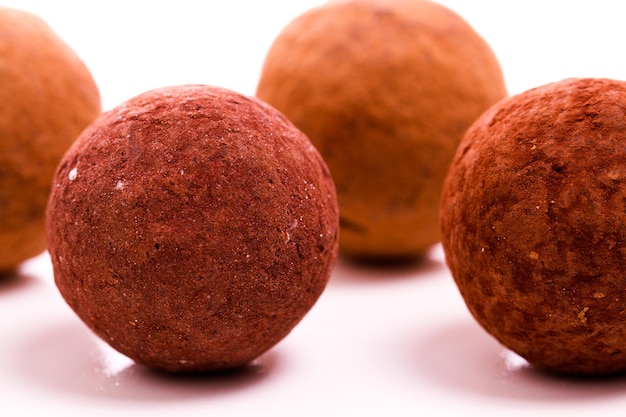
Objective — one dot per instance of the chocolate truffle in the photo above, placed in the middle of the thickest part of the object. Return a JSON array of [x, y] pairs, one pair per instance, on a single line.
[[385, 90], [533, 221], [192, 227], [47, 96]]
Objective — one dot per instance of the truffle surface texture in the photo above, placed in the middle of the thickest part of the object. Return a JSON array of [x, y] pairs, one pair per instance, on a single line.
[[534, 224], [385, 90], [192, 227], [47, 97]]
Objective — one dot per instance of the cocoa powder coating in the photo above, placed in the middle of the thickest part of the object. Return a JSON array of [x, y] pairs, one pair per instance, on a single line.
[[192, 228], [534, 224], [385, 90], [47, 96]]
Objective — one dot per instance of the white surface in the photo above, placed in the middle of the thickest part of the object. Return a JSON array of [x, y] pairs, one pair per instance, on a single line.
[[380, 341], [395, 341]]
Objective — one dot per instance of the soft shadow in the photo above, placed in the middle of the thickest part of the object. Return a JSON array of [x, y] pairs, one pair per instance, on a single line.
[[29, 273], [357, 272], [16, 281], [73, 360], [464, 357]]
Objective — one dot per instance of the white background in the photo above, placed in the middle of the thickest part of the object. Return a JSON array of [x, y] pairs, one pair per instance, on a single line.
[[380, 341]]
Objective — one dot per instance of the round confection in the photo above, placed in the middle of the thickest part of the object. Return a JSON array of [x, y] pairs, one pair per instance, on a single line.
[[534, 224], [192, 227], [47, 96], [385, 91]]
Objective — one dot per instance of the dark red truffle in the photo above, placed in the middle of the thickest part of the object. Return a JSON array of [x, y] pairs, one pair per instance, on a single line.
[[534, 224], [192, 228]]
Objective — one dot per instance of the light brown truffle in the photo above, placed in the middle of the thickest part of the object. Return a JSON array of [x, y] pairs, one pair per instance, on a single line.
[[534, 224], [385, 91], [192, 227], [47, 96]]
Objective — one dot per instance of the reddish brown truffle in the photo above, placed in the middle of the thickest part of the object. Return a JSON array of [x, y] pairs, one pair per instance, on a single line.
[[385, 89], [534, 224], [47, 96], [192, 228]]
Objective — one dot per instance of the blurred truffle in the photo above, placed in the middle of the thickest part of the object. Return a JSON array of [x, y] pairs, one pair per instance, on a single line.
[[192, 227], [47, 96], [534, 224], [385, 90]]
